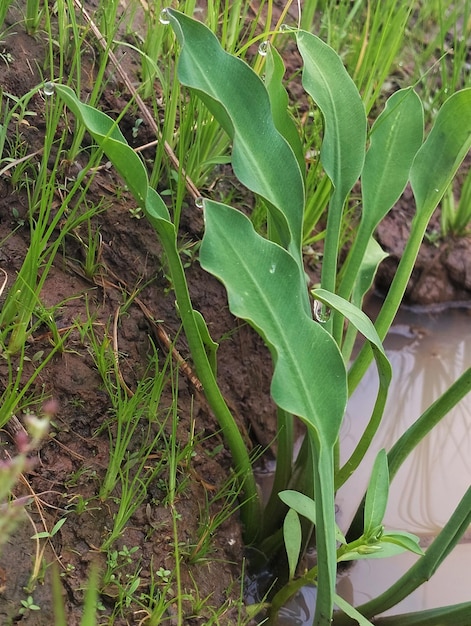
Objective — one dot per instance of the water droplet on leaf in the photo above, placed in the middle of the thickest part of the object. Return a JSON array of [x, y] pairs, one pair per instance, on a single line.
[[48, 88], [272, 268], [164, 17], [199, 202], [263, 48], [321, 312]]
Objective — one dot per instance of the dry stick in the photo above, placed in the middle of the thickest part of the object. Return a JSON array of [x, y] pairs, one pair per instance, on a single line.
[[162, 336], [146, 114], [169, 345], [14, 428]]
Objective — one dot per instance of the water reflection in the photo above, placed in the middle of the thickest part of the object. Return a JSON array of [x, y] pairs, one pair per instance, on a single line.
[[428, 352]]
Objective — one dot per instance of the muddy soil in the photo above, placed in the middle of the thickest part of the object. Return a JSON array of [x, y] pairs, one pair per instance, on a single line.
[[71, 463], [442, 273], [69, 467]]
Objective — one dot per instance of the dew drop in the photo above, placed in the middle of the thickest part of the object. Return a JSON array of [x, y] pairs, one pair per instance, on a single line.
[[272, 268], [321, 312], [263, 48], [286, 28], [48, 88], [199, 202], [164, 17], [436, 190]]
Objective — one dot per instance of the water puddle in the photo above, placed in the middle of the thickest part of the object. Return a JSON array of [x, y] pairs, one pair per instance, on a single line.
[[428, 352]]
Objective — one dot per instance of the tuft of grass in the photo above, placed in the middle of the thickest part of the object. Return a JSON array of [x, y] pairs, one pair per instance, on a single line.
[[455, 216]]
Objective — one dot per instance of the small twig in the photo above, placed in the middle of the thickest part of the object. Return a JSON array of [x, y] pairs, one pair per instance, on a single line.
[[5, 280], [14, 427], [169, 345], [162, 336]]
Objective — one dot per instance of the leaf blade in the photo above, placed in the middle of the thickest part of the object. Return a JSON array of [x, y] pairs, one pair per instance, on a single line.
[[262, 159]]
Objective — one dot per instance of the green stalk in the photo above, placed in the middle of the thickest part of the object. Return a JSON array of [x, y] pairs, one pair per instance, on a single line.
[[424, 568], [414, 435], [128, 164], [432, 171], [454, 615], [251, 511], [33, 16], [427, 421], [285, 439]]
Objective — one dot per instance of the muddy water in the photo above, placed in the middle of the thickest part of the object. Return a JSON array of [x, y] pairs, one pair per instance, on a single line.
[[428, 351]]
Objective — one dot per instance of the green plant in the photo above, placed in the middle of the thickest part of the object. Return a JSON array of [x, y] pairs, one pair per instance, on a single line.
[[92, 247], [32, 16], [133, 413], [209, 522], [48, 534], [4, 10], [266, 283], [28, 605], [455, 217]]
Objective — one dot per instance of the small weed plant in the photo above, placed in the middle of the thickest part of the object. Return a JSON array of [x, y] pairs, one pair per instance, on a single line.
[[310, 333], [213, 109]]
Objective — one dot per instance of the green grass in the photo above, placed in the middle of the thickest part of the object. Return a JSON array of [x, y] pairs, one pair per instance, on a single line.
[[384, 45]]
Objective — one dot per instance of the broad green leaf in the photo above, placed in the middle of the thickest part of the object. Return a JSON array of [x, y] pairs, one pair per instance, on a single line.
[[265, 287], [292, 535], [110, 139], [377, 494], [405, 540], [261, 157], [274, 72], [306, 507], [302, 504], [365, 326], [343, 147], [326, 80], [433, 169], [395, 139], [262, 282], [357, 317], [444, 149]]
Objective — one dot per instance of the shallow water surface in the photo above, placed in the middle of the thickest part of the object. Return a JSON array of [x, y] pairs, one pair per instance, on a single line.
[[428, 352]]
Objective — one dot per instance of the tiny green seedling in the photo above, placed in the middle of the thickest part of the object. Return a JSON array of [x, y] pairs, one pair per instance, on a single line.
[[28, 605]]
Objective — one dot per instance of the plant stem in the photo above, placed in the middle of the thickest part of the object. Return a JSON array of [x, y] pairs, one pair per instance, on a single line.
[[251, 509], [424, 568]]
